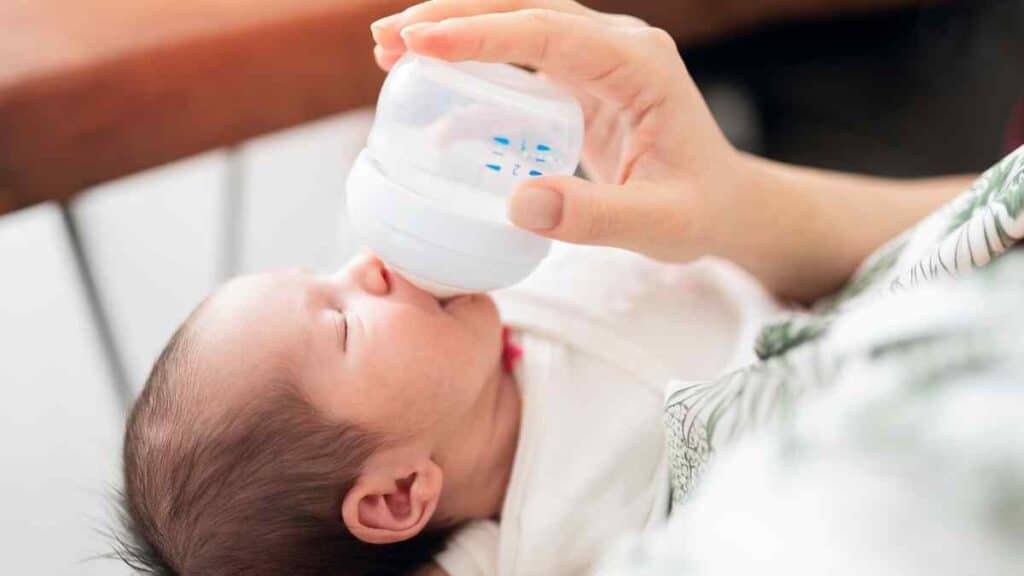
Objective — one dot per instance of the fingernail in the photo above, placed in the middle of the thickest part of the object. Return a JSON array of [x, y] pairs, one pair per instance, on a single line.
[[536, 209], [386, 58], [382, 51], [415, 29], [384, 22]]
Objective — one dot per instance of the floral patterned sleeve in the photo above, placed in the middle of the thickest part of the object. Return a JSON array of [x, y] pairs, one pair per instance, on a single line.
[[796, 352], [890, 410]]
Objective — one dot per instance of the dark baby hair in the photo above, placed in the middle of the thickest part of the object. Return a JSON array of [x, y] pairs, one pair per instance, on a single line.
[[251, 492]]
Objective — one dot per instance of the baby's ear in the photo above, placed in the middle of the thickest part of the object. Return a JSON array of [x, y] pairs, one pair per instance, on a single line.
[[388, 505]]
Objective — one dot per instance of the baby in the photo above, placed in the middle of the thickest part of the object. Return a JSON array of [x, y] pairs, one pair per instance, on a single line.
[[355, 424]]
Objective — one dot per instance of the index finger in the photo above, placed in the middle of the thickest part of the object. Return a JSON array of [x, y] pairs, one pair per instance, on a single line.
[[609, 61], [386, 31]]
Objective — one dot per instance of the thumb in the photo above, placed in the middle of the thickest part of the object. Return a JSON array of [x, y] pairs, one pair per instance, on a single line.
[[636, 216]]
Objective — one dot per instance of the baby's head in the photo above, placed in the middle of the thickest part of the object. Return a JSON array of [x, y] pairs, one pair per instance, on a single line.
[[318, 425]]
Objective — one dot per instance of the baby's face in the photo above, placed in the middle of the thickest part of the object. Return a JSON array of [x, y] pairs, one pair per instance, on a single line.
[[365, 346]]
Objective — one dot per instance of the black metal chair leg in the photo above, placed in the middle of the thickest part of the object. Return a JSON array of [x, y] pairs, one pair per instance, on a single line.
[[234, 209], [101, 319]]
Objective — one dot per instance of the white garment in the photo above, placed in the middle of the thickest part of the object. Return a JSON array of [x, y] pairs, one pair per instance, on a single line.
[[602, 332]]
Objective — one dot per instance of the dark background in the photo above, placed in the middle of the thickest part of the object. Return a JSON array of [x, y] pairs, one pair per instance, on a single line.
[[913, 92]]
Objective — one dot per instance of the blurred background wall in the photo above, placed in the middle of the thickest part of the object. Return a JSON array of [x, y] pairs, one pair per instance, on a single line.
[[915, 91], [911, 92]]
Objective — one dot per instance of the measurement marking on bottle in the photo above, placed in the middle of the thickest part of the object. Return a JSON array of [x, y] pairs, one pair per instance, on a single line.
[[536, 173], [494, 167], [543, 148], [502, 140]]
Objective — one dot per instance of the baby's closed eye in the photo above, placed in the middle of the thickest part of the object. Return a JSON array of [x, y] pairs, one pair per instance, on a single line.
[[341, 329]]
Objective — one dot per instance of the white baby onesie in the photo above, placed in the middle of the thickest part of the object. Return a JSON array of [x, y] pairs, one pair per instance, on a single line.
[[602, 332]]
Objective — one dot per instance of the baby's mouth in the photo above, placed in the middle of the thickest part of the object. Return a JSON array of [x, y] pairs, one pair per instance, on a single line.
[[446, 302], [439, 293], [452, 301]]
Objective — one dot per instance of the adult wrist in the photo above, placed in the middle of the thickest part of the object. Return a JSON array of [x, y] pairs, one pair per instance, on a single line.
[[732, 212]]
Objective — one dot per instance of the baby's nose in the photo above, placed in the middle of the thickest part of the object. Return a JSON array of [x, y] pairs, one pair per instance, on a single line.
[[372, 276]]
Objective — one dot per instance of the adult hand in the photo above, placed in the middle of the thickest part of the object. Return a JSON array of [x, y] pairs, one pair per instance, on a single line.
[[659, 163]]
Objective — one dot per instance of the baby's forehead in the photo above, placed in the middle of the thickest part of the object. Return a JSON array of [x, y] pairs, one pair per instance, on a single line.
[[250, 330], [250, 303]]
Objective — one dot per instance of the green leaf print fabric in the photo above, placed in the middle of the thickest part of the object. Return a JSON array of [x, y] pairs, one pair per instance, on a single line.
[[969, 232], [881, 432], [907, 458]]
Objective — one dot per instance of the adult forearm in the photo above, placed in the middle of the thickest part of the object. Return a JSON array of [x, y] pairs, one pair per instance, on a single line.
[[805, 231]]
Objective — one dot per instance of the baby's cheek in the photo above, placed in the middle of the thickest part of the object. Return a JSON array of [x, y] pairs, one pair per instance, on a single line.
[[435, 390], [432, 359], [411, 378]]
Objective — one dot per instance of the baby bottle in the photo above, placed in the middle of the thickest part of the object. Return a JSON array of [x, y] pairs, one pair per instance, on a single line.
[[449, 144]]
